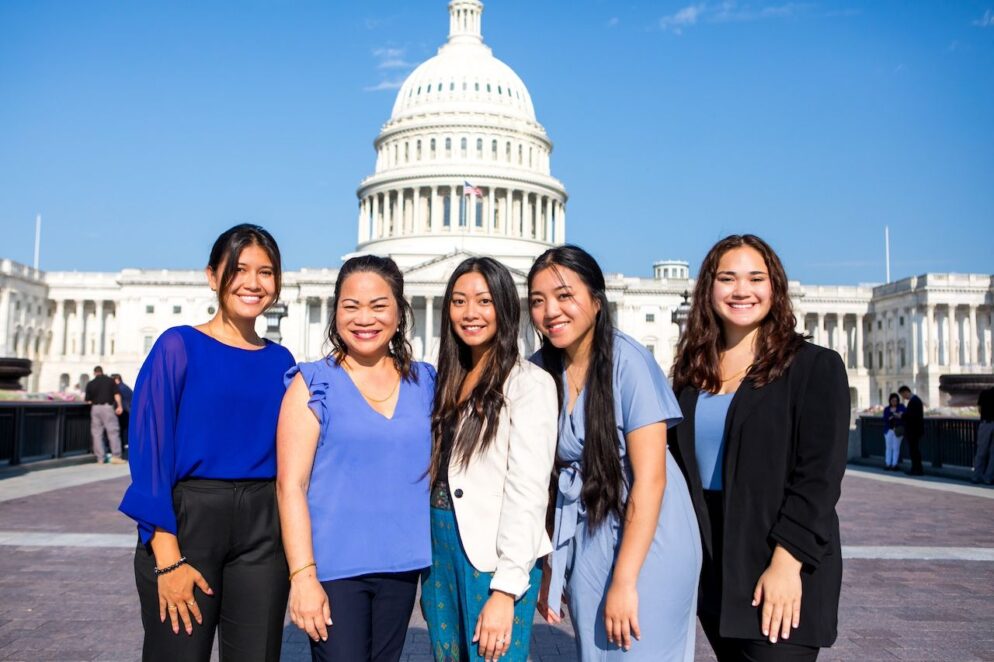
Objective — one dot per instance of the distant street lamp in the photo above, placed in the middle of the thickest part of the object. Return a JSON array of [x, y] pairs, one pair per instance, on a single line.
[[682, 313], [273, 316]]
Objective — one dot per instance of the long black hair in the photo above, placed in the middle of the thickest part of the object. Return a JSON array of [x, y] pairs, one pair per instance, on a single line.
[[387, 269], [461, 429], [228, 248], [603, 477]]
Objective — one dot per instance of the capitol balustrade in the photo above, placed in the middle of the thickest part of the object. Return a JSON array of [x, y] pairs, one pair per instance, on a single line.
[[948, 443], [34, 431]]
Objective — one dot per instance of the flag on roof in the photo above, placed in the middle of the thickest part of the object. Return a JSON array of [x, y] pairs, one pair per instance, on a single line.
[[469, 189]]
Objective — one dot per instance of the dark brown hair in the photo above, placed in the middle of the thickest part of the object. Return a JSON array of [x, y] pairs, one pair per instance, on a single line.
[[462, 429], [228, 248], [387, 269], [603, 478], [697, 360]]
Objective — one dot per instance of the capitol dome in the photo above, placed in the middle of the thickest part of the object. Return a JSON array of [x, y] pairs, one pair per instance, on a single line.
[[462, 163]]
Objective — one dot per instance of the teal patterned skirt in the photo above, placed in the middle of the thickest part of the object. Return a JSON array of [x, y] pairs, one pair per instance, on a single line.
[[453, 593]]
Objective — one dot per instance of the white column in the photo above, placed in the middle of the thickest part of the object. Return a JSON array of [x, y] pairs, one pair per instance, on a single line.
[[955, 337], [360, 226], [491, 200], [5, 323], [58, 330], [561, 224], [859, 342], [429, 327], [434, 218], [974, 357], [377, 226], [912, 314], [930, 344], [418, 216]]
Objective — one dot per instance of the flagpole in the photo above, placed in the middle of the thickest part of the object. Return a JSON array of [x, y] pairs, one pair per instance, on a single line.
[[37, 240], [887, 250]]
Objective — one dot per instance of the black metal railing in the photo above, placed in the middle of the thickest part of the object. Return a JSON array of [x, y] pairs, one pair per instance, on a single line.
[[946, 442], [32, 431]]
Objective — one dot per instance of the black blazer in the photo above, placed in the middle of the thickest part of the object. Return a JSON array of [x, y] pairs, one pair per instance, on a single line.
[[914, 418], [785, 454]]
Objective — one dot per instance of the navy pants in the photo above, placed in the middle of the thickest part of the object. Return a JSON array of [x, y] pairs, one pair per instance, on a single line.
[[369, 615]]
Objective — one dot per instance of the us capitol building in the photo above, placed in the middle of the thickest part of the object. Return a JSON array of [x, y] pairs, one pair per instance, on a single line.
[[463, 120]]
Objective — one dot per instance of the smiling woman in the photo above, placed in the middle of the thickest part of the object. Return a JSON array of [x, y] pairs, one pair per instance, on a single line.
[[353, 443], [203, 460]]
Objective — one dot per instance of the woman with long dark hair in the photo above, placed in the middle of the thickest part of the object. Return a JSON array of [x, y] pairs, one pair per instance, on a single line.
[[353, 440], [763, 447], [893, 432], [626, 544], [494, 431], [203, 460]]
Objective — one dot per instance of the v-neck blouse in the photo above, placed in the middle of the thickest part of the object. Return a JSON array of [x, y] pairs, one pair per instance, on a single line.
[[368, 493]]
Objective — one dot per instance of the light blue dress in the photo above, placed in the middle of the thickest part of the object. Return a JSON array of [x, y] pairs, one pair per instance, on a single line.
[[583, 560]]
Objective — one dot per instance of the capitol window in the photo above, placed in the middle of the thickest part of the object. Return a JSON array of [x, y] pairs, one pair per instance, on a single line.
[[650, 317], [149, 309], [479, 148], [177, 310], [493, 150], [417, 150], [499, 90], [452, 86], [407, 152], [521, 151], [462, 147], [432, 147], [448, 147], [488, 88], [507, 152], [476, 87]]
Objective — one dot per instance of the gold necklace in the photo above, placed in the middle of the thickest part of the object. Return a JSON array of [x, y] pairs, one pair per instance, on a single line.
[[363, 394], [575, 384], [740, 372]]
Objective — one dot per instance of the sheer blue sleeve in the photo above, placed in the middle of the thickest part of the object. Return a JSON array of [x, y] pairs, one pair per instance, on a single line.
[[152, 437], [641, 388]]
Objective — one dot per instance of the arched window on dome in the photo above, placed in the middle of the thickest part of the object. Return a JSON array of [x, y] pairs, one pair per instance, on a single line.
[[507, 151], [479, 148], [428, 91], [448, 148], [521, 152], [419, 90], [462, 147], [407, 151], [488, 88], [493, 150], [417, 151], [500, 90], [432, 148], [476, 86], [465, 86], [452, 86], [395, 156], [531, 152]]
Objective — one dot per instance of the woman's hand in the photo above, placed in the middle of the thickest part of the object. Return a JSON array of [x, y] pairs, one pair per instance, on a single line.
[[493, 627], [309, 607], [779, 591], [176, 597], [542, 604], [621, 614]]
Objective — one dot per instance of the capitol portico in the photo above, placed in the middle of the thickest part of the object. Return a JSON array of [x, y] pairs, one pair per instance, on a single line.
[[463, 167]]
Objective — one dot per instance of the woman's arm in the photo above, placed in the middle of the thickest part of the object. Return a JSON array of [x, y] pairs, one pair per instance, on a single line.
[[533, 411], [296, 442], [647, 453]]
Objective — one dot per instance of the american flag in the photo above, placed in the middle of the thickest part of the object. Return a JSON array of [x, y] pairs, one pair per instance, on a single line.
[[469, 189]]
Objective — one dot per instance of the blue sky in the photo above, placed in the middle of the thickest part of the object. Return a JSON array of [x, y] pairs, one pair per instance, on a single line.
[[140, 130]]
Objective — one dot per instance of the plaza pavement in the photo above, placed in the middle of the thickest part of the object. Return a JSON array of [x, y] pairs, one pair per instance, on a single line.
[[918, 582]]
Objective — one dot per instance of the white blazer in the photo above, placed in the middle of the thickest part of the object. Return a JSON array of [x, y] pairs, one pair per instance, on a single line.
[[500, 498]]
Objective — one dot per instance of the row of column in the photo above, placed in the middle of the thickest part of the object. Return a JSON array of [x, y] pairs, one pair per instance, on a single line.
[[499, 211], [931, 335], [79, 330]]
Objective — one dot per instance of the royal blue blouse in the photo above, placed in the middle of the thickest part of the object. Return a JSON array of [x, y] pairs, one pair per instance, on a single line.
[[201, 409], [368, 492]]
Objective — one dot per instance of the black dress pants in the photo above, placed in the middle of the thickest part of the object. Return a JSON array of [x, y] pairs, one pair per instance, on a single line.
[[369, 615], [915, 451], [230, 532], [709, 606]]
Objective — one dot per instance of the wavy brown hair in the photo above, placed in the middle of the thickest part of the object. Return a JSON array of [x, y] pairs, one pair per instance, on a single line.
[[697, 361]]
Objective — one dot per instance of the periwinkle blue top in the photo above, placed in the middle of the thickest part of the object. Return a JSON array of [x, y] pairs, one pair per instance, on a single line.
[[201, 409], [368, 492], [709, 436]]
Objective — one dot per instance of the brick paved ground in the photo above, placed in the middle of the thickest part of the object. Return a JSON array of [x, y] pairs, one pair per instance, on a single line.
[[80, 604]]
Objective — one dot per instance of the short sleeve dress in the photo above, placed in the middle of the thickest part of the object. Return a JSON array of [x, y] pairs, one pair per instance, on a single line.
[[583, 560]]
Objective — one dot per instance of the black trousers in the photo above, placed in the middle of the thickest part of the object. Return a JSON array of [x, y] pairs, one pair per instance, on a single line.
[[915, 451], [369, 617], [709, 606], [230, 532]]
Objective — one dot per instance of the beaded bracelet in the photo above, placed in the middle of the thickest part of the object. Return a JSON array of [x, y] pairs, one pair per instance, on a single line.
[[162, 571]]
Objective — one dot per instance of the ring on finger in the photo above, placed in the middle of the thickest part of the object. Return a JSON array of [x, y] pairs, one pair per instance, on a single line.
[[172, 607], [191, 603]]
